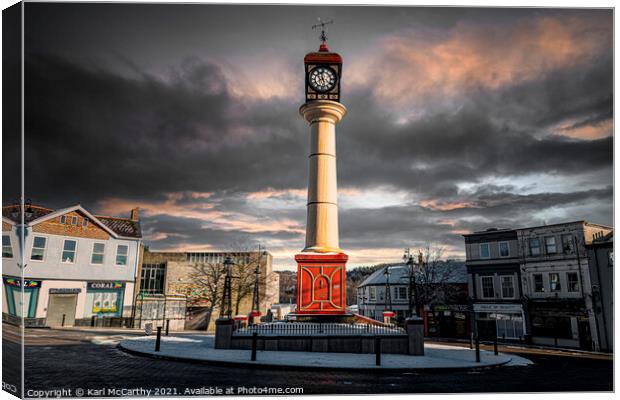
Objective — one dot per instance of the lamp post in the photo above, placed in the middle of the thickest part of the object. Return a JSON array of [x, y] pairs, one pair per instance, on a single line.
[[227, 295], [387, 313], [413, 287], [255, 313]]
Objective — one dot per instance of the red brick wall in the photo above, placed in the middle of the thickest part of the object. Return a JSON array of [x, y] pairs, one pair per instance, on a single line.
[[54, 227]]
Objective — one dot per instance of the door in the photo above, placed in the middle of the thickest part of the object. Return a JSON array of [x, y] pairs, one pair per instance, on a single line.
[[59, 305]]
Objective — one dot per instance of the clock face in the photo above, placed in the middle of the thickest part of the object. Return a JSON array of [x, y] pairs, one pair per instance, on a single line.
[[322, 79]]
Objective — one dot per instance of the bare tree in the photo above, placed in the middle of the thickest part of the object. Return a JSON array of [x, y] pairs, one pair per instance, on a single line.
[[245, 279], [207, 281]]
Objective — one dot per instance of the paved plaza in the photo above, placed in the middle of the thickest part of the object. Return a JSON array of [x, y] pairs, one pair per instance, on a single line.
[[72, 359]]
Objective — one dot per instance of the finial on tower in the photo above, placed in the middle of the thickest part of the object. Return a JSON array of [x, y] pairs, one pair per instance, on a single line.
[[323, 35]]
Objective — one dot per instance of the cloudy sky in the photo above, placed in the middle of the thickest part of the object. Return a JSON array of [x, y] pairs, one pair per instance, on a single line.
[[459, 120]]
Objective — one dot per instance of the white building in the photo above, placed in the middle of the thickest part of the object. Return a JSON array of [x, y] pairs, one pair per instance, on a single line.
[[75, 266]]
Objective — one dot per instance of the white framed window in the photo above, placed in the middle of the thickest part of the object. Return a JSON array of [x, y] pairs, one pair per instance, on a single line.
[[85, 222], [488, 290], [484, 250], [539, 286], [400, 293], [534, 246], [121, 254], [504, 249], [98, 252], [69, 249], [372, 293], [38, 248], [74, 220], [554, 282], [508, 287], [572, 281], [550, 246], [7, 248], [63, 219]]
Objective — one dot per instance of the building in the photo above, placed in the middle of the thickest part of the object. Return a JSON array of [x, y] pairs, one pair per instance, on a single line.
[[535, 283], [185, 287], [442, 292], [77, 268], [601, 268], [494, 280]]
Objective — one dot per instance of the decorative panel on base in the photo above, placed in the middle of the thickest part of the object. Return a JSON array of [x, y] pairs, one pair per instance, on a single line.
[[321, 283]]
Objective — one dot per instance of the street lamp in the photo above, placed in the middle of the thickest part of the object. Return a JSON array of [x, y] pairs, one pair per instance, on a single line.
[[413, 287], [227, 295], [387, 313], [256, 299]]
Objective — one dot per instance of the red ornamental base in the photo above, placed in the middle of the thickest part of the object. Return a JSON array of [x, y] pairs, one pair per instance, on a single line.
[[321, 283]]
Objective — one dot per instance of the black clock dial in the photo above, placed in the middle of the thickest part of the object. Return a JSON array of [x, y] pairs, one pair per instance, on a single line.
[[322, 79]]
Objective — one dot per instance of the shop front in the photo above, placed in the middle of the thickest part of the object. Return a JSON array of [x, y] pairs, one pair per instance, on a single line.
[[447, 320], [560, 323], [13, 309], [508, 319], [104, 303]]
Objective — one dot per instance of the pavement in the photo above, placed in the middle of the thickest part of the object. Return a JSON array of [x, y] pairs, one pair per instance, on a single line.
[[200, 348], [92, 362]]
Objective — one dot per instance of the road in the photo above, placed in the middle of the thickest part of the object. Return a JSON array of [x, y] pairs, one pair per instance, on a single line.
[[72, 360]]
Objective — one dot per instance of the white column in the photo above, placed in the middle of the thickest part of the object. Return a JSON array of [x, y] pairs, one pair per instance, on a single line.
[[322, 222]]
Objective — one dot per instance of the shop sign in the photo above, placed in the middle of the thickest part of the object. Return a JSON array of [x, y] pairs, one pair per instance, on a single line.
[[515, 308], [65, 290], [16, 282], [450, 307], [105, 285]]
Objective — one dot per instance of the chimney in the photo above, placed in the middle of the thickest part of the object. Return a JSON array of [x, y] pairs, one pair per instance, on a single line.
[[135, 214]]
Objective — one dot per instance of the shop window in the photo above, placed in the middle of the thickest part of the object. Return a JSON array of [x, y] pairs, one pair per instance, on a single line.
[[539, 286], [572, 281], [38, 248], [488, 291], [567, 244], [121, 254], [554, 282], [7, 249], [550, 246], [534, 246], [504, 249], [484, 250], [508, 288], [69, 249], [552, 327], [98, 252]]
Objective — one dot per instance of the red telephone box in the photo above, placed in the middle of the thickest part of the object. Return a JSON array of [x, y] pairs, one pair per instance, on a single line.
[[321, 283]]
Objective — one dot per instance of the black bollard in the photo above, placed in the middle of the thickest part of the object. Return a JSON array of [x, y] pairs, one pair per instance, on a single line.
[[377, 350], [471, 340], [158, 340], [167, 326], [63, 319], [477, 349], [92, 321], [254, 340], [495, 344]]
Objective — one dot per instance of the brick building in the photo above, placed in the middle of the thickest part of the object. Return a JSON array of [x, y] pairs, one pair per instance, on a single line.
[[74, 266]]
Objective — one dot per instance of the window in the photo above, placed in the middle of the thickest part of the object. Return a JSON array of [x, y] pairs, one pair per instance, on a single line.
[[610, 257], [550, 246], [539, 287], [567, 244], [572, 281], [534, 247], [484, 250], [121, 254], [38, 248], [554, 282], [98, 251], [7, 249], [504, 249], [400, 293], [372, 293], [68, 251], [488, 291], [85, 222], [63, 219], [74, 220], [152, 279], [508, 288]]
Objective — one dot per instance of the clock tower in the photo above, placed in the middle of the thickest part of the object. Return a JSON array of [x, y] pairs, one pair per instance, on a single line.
[[321, 275]]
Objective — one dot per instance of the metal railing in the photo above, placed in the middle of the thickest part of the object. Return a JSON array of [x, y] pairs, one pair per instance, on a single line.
[[311, 329]]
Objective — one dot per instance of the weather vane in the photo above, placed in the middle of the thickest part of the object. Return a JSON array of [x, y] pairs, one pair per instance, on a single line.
[[321, 24]]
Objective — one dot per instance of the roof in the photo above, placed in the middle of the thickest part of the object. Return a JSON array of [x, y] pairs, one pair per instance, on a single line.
[[124, 227], [449, 271], [604, 239], [12, 212]]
